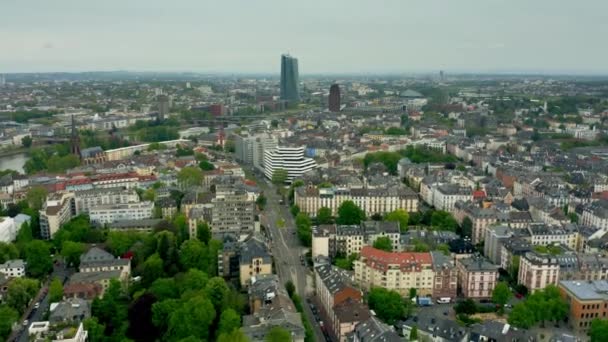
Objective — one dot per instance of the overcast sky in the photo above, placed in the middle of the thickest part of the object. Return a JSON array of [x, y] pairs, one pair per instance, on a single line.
[[327, 36]]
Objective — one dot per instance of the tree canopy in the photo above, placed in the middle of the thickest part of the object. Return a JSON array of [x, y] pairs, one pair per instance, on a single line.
[[383, 243], [401, 216], [349, 213]]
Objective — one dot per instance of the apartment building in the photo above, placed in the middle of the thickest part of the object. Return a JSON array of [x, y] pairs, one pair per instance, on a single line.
[[445, 196], [536, 271], [232, 213], [480, 217], [113, 180], [98, 260], [399, 271], [588, 300], [595, 214], [254, 260], [477, 277], [333, 289], [492, 242], [328, 240], [445, 281], [58, 209], [543, 234], [13, 268], [107, 214], [380, 200], [87, 199]]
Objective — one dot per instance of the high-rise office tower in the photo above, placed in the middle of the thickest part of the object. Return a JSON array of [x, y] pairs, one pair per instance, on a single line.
[[441, 75], [163, 107], [334, 98], [290, 79]]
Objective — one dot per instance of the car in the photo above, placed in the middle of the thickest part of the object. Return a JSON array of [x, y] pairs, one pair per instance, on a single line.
[[26, 323], [519, 296], [445, 313], [37, 305]]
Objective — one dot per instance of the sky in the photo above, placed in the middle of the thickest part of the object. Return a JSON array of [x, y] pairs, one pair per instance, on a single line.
[[327, 36]]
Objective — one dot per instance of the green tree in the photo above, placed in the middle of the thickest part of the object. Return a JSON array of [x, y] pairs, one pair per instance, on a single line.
[[8, 251], [235, 336], [193, 254], [161, 311], [217, 291], [349, 213], [383, 243], [598, 332], [278, 334], [324, 216], [467, 307], [521, 316], [279, 176], [55, 290], [290, 287], [203, 233], [164, 288], [501, 294], [295, 210], [35, 197], [8, 317], [95, 329], [466, 228], [443, 248], [149, 195], [414, 334], [38, 258], [206, 165], [189, 177], [304, 228], [261, 201], [413, 293], [26, 141], [152, 269], [193, 318], [71, 251], [387, 304], [229, 321], [443, 220], [401, 216], [20, 292]]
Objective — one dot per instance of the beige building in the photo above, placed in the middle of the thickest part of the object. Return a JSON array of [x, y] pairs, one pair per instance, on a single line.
[[477, 277], [98, 260], [481, 218], [58, 209], [254, 260], [595, 214], [398, 271], [536, 271], [373, 201], [544, 234]]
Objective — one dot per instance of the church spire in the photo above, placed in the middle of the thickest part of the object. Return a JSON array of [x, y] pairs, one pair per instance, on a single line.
[[74, 140]]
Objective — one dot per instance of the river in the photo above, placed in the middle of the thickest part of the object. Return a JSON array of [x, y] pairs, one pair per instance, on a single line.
[[13, 162]]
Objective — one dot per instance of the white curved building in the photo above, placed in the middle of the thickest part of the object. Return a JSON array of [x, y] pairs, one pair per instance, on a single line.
[[289, 158]]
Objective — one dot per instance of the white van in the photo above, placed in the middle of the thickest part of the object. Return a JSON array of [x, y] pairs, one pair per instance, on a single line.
[[444, 300]]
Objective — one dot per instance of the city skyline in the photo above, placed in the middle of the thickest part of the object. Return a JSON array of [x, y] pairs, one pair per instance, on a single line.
[[399, 37]]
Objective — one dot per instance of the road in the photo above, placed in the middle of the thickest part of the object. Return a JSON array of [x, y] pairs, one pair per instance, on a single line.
[[286, 250], [35, 315]]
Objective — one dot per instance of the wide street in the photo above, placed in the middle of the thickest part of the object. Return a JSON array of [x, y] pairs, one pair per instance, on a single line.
[[286, 249]]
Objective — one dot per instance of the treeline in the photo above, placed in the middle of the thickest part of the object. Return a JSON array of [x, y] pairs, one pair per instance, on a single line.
[[57, 159], [416, 155], [154, 131], [23, 116]]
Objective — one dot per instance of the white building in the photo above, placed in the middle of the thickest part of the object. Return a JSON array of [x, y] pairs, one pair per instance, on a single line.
[[87, 199], [445, 196], [536, 271], [58, 209], [105, 214], [13, 268], [595, 214], [290, 159]]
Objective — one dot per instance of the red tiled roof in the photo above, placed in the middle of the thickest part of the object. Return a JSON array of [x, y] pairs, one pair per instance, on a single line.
[[407, 261], [104, 177], [479, 194], [78, 181]]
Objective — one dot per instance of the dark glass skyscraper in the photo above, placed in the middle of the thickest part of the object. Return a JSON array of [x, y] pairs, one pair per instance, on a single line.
[[334, 98], [290, 79]]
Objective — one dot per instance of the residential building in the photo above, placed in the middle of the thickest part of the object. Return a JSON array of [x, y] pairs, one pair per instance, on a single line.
[[270, 306], [381, 200], [60, 332], [544, 234], [347, 315], [290, 159], [254, 260], [13, 268], [480, 218], [58, 209], [290, 79], [250, 149], [232, 213], [587, 300], [492, 247], [595, 214], [87, 199], [70, 310], [85, 284], [332, 289], [445, 196], [98, 260], [445, 281], [477, 277], [373, 330], [398, 271], [433, 328], [110, 213], [536, 271]]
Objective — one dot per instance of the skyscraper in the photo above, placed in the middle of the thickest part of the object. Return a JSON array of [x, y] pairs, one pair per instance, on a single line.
[[290, 79], [334, 98]]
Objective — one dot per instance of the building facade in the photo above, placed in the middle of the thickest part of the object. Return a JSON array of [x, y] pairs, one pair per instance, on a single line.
[[536, 271], [477, 277], [290, 159], [290, 79], [107, 214]]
